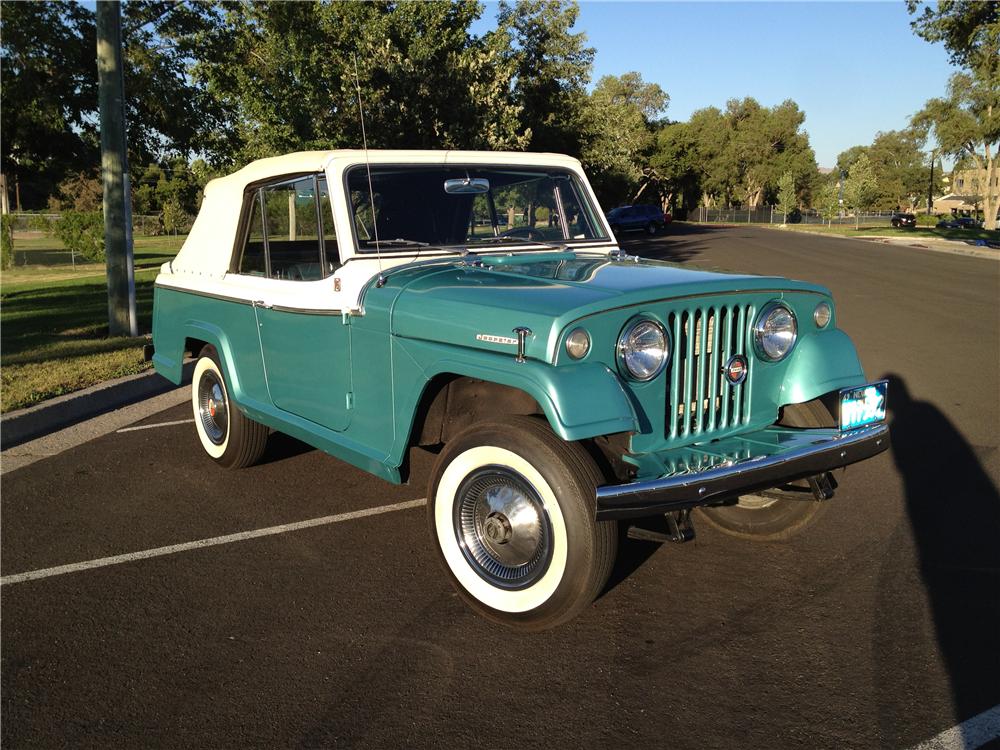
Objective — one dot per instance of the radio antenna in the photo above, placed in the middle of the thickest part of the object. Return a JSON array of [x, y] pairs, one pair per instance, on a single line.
[[368, 169]]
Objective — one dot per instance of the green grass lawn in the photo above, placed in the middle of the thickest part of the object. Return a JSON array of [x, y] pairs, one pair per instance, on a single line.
[[916, 233], [54, 323]]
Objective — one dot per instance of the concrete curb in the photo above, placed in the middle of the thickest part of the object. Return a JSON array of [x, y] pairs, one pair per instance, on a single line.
[[950, 247], [23, 425]]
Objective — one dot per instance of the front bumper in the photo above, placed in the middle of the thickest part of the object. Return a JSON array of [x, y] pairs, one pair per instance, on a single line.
[[711, 474]]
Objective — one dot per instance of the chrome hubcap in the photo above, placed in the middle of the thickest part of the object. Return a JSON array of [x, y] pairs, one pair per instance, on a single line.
[[502, 527], [212, 410]]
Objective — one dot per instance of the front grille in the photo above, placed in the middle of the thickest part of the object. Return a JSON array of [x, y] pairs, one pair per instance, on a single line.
[[701, 400]]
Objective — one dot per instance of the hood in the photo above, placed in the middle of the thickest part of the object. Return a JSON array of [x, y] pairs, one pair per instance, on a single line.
[[477, 304]]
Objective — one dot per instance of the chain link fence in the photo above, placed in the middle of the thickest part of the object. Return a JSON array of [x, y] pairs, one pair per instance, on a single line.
[[33, 227], [142, 225], [774, 215]]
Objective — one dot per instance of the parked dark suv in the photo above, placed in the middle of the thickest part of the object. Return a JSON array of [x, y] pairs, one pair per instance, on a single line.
[[639, 217], [904, 220]]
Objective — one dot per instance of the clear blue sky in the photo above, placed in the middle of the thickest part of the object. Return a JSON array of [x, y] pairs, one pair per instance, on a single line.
[[853, 68]]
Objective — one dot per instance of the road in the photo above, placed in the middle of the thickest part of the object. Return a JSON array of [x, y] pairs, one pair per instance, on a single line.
[[875, 627]]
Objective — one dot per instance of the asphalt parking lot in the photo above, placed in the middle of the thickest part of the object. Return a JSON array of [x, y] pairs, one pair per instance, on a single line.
[[877, 626]]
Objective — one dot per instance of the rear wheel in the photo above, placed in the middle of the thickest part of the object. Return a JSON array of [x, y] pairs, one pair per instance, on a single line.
[[764, 518], [511, 508], [232, 439], [651, 228]]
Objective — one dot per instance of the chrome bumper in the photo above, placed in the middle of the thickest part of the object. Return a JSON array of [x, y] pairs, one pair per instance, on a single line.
[[737, 466]]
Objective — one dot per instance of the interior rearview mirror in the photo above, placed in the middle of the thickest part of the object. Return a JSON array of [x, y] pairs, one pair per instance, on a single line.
[[466, 185]]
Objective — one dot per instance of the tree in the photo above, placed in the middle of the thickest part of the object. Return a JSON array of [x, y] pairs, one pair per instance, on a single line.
[[287, 76], [827, 200], [676, 166], [787, 195], [621, 118], [901, 168], [861, 188], [745, 150], [49, 88], [966, 121], [551, 70], [970, 31], [49, 92]]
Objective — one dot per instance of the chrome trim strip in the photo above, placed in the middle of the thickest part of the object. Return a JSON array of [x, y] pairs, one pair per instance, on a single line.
[[698, 295], [715, 485], [251, 303]]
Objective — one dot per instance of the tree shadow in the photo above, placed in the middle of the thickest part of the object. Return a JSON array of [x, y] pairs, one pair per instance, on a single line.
[[678, 243], [953, 508]]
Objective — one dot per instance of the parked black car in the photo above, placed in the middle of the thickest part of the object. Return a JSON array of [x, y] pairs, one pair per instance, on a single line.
[[904, 220], [647, 218], [961, 222]]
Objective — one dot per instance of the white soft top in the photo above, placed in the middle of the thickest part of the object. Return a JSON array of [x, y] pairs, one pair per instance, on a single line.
[[208, 249]]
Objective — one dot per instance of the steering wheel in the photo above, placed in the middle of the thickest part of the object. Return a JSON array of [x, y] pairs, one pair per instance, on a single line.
[[528, 233]]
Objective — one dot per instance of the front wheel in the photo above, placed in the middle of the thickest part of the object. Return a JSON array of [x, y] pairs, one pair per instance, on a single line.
[[511, 508], [232, 439]]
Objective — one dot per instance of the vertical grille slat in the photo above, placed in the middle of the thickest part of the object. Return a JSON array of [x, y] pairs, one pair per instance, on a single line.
[[699, 409], [741, 329], [689, 350], [675, 373], [713, 370], [700, 399]]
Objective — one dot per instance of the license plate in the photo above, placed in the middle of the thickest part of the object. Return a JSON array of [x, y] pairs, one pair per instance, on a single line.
[[863, 405]]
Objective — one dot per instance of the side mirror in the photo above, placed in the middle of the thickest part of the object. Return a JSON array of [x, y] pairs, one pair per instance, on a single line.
[[467, 186]]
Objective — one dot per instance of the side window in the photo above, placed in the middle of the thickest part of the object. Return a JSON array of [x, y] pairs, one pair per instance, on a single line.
[[287, 236], [253, 261], [329, 233], [292, 230]]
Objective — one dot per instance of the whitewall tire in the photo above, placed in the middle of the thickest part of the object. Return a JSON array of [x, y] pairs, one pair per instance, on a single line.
[[228, 436], [511, 507]]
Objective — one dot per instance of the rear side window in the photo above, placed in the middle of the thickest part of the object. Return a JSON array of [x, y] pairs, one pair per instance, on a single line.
[[290, 231]]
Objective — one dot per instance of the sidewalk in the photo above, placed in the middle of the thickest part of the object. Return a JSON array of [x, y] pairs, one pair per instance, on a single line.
[[55, 414], [934, 244]]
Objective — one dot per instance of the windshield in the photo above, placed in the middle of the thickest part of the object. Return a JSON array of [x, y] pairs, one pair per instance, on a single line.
[[412, 207]]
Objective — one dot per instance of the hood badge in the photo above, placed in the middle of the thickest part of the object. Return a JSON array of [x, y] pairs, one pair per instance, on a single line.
[[519, 342], [491, 339]]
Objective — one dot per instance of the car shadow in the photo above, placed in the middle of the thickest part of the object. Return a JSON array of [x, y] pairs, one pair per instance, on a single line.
[[281, 447], [953, 513], [633, 553]]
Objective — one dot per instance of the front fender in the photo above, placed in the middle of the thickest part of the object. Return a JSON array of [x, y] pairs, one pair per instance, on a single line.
[[579, 401], [821, 362]]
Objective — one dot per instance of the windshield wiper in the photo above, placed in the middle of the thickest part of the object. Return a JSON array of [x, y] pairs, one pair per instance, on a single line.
[[518, 240], [398, 242]]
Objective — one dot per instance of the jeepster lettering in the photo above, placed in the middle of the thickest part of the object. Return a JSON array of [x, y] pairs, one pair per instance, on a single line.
[[491, 339]]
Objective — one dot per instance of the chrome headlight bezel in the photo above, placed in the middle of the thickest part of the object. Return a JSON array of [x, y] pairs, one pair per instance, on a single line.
[[628, 348], [762, 336]]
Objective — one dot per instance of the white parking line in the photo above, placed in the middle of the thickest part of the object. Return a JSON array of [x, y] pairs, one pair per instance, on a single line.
[[242, 536], [968, 735], [158, 424]]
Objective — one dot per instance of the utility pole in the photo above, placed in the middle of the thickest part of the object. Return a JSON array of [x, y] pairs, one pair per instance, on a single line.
[[114, 172], [930, 188]]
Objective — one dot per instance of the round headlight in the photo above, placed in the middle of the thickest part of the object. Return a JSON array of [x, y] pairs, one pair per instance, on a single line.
[[822, 315], [578, 343], [643, 349], [775, 331]]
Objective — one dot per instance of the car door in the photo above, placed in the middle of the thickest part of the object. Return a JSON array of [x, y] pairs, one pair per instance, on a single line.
[[304, 339]]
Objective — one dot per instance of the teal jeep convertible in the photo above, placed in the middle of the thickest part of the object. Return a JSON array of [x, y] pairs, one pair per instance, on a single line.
[[477, 304]]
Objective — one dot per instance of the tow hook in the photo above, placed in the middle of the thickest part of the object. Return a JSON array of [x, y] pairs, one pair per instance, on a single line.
[[679, 529], [822, 486]]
